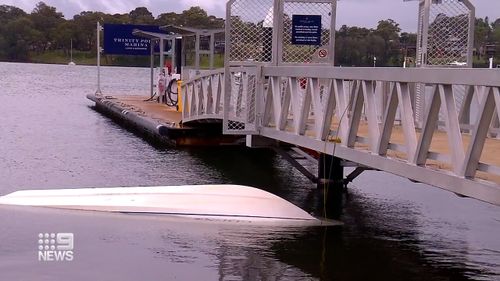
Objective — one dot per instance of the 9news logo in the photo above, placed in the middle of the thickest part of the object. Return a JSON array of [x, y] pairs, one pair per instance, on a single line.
[[55, 246]]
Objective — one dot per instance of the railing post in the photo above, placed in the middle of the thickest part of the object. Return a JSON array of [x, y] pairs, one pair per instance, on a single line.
[[475, 149], [259, 99]]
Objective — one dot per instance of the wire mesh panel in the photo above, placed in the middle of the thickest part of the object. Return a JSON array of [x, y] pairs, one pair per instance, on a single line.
[[421, 32], [447, 28], [251, 30], [445, 38], [265, 32], [448, 33], [297, 51], [249, 40], [455, 20]]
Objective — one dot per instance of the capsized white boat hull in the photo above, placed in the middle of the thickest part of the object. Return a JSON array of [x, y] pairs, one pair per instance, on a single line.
[[214, 201]]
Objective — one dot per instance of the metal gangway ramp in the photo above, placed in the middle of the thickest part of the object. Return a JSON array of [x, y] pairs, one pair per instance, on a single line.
[[432, 124]]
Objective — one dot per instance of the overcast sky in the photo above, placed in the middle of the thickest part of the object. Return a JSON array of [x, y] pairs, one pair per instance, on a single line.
[[350, 12]]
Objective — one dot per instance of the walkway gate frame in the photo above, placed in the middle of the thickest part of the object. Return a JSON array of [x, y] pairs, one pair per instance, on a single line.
[[445, 32], [445, 39], [259, 33]]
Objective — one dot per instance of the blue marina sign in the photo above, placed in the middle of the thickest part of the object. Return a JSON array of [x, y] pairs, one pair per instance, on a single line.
[[306, 30], [119, 40]]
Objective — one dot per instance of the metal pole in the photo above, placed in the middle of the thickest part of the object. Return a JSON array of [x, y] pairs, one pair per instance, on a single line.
[[470, 41], [275, 28], [491, 63], [212, 49], [152, 64], [425, 32], [162, 55], [98, 91], [172, 55], [421, 58], [197, 51], [278, 27], [332, 31]]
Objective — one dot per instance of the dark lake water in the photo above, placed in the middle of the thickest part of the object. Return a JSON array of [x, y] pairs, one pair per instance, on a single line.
[[50, 137]]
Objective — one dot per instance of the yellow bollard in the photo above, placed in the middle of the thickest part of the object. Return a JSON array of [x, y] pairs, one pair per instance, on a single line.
[[179, 95]]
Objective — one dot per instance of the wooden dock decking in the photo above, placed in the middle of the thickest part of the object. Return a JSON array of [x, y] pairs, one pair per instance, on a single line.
[[154, 110], [162, 122]]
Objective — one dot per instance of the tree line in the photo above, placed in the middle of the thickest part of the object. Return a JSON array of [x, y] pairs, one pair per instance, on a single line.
[[23, 35], [385, 45], [45, 29], [357, 46]]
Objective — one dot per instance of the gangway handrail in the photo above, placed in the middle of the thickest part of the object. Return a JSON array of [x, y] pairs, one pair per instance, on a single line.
[[456, 76], [202, 96], [356, 111]]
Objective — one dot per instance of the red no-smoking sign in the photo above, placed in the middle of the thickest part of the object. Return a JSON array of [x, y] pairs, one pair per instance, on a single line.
[[322, 53]]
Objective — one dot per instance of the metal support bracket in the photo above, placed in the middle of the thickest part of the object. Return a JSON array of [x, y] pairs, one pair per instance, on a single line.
[[354, 174], [296, 164]]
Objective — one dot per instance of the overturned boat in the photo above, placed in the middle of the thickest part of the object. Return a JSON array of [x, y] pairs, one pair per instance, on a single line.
[[226, 202]]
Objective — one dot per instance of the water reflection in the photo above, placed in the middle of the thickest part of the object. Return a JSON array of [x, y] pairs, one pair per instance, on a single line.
[[50, 138]]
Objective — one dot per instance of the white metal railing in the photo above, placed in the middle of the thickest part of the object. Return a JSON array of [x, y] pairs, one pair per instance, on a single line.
[[354, 112], [366, 115], [202, 96]]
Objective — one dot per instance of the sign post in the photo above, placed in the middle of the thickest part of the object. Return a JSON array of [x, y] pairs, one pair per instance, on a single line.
[[99, 29]]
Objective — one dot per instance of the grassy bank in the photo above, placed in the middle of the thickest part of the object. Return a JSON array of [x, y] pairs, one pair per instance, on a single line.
[[89, 58], [61, 57]]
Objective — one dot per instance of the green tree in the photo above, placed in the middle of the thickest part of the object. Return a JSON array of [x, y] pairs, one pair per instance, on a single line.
[[482, 33], [408, 43], [495, 38], [198, 18], [194, 17], [86, 32], [64, 33], [375, 49], [496, 24], [388, 30], [169, 18], [141, 15], [45, 20], [9, 13], [352, 46], [18, 40]]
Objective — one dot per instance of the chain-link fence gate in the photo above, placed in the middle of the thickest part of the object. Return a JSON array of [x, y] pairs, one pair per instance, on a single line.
[[270, 32], [445, 39], [249, 37], [445, 33]]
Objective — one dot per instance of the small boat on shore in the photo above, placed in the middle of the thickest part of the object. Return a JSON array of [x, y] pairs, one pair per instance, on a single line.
[[224, 202]]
